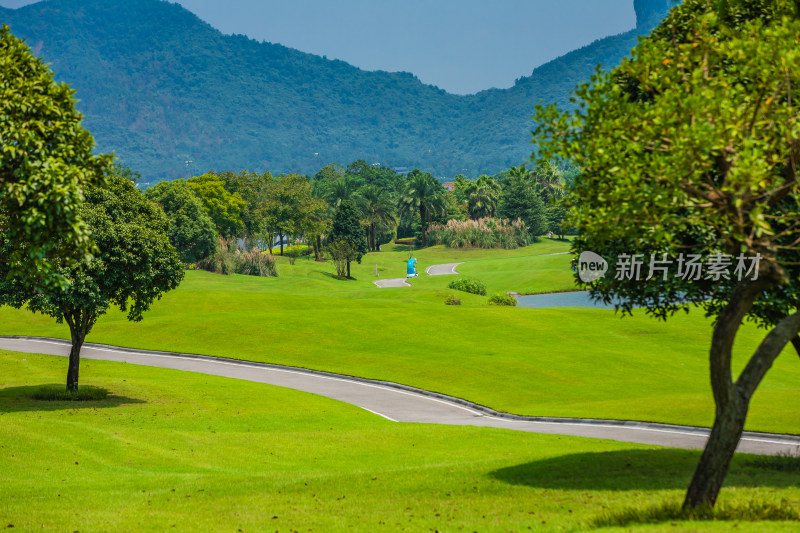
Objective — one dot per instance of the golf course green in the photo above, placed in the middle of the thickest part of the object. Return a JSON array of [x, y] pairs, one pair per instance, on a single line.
[[178, 451], [574, 362]]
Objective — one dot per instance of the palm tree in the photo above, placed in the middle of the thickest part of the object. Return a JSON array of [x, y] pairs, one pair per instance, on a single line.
[[425, 195], [550, 180], [340, 190], [482, 197], [378, 209]]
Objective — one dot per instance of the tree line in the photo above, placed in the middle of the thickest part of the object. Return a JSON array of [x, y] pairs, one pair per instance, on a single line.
[[262, 211]]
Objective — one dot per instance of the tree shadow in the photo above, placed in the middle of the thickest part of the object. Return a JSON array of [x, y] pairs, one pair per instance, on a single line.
[[20, 399], [627, 470], [334, 276]]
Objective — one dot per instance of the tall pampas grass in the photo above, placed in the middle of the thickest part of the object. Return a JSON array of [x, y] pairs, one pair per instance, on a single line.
[[481, 233]]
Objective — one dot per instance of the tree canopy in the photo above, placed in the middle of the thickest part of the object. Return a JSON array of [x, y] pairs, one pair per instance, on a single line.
[[191, 231], [224, 208], [46, 163], [347, 228], [688, 153], [134, 265]]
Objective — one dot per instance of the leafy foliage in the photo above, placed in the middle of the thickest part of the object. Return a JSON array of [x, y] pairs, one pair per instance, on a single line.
[[522, 200], [191, 231], [691, 147], [471, 286], [502, 299], [134, 266], [224, 208], [452, 299], [46, 164], [343, 253], [482, 197], [347, 227], [423, 195]]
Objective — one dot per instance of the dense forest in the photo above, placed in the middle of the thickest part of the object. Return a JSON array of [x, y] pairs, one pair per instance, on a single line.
[[160, 87]]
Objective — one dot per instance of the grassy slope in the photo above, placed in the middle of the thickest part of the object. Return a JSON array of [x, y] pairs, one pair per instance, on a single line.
[[177, 451], [558, 362]]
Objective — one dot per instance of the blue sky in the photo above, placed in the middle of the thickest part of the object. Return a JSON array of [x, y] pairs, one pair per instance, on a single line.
[[462, 46]]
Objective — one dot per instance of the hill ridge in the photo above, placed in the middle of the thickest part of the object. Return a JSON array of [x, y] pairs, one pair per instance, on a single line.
[[160, 86]]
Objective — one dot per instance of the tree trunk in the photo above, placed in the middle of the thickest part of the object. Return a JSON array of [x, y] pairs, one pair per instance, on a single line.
[[374, 239], [348, 268], [315, 246], [321, 256], [423, 227], [733, 399], [281, 236], [80, 322], [713, 467]]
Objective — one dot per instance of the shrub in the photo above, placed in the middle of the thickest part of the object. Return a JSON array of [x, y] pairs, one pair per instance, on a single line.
[[293, 255], [502, 299], [342, 253], [221, 261], [451, 299], [472, 286], [481, 233], [254, 263]]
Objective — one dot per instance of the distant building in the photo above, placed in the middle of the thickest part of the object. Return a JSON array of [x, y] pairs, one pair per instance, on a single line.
[[449, 185]]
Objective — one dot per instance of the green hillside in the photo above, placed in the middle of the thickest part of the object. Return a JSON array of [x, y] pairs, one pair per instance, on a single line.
[[159, 86]]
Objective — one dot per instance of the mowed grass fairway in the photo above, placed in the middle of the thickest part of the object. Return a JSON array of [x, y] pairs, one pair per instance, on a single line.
[[177, 451], [551, 362]]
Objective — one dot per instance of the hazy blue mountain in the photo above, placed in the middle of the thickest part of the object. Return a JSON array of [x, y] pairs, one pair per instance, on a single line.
[[159, 86]]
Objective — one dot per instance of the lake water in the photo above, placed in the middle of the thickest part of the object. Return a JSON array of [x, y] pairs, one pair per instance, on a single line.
[[562, 299]]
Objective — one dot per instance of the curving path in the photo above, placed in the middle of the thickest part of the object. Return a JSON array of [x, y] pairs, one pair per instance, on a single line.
[[433, 270], [442, 270], [392, 282], [400, 403]]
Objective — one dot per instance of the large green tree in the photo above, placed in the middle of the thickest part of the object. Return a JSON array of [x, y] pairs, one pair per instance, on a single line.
[[483, 196], [422, 194], [46, 162], [689, 149], [191, 231], [347, 228], [521, 200], [134, 265], [224, 208], [290, 208], [379, 210]]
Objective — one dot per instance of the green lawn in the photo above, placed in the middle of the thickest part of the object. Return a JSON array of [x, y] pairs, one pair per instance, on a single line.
[[177, 451], [553, 362]]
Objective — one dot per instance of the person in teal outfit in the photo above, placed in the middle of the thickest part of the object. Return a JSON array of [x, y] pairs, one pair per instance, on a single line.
[[411, 269]]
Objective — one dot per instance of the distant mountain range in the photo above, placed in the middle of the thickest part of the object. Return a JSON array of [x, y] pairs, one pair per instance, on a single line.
[[160, 87]]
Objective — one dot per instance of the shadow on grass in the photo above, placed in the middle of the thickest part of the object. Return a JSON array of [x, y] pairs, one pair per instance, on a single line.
[[334, 276], [627, 470], [17, 399]]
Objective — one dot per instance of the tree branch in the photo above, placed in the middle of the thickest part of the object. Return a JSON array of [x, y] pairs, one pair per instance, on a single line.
[[766, 353], [796, 343], [728, 322]]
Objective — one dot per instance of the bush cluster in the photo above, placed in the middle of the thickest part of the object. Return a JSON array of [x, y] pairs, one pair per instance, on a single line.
[[472, 286], [252, 263], [502, 299], [481, 233], [451, 299]]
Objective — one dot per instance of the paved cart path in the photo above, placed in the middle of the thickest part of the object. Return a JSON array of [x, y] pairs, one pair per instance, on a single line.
[[442, 270], [392, 282], [401, 403], [433, 270]]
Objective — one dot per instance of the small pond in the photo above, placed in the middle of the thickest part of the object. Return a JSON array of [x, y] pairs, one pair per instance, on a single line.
[[561, 299]]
